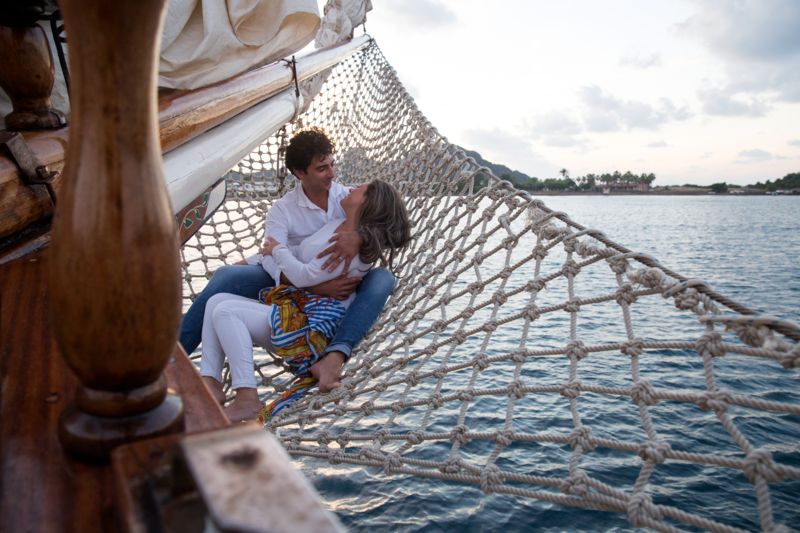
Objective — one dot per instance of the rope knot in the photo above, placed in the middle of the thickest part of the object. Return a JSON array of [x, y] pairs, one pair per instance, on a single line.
[[482, 362], [571, 268], [571, 390], [449, 244], [323, 438], [687, 299], [418, 315], [430, 292], [392, 462], [466, 395], [714, 400], [618, 264], [436, 400], [380, 386], [581, 437], [504, 438], [710, 344], [468, 312], [655, 451], [518, 356], [344, 439], [382, 435], [460, 336], [572, 306], [499, 298], [625, 294], [539, 252], [339, 410], [792, 360], [641, 510], [531, 312], [576, 484], [368, 408], [752, 334], [632, 347], [516, 389], [396, 407], [577, 350], [491, 476], [459, 434], [490, 326], [759, 463], [652, 278], [451, 466], [475, 288], [643, 392], [569, 244], [460, 255], [413, 378], [506, 273], [439, 373], [509, 242], [416, 437], [535, 285]]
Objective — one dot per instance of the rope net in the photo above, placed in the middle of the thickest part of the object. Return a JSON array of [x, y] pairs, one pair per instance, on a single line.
[[522, 352]]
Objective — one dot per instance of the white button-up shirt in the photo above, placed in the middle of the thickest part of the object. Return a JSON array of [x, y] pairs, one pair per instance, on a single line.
[[294, 217]]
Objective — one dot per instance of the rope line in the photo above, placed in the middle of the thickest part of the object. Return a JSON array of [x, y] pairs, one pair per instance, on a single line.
[[514, 329]]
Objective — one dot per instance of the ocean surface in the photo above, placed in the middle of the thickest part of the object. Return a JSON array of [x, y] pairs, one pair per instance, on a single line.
[[746, 248]]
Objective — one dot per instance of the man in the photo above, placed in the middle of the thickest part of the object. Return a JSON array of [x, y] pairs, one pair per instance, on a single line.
[[301, 212]]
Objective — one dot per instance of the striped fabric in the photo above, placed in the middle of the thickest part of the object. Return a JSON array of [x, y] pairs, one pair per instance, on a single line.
[[301, 324]]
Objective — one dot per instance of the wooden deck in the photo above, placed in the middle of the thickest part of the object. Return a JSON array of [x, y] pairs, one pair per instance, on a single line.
[[41, 488]]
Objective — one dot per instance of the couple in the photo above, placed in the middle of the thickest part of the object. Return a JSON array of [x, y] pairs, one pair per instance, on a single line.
[[316, 279]]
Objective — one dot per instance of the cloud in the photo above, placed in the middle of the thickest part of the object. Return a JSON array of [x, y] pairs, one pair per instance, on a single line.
[[756, 156], [643, 62], [724, 103], [555, 122], [758, 41], [605, 112], [425, 14], [657, 144], [794, 142], [508, 149]]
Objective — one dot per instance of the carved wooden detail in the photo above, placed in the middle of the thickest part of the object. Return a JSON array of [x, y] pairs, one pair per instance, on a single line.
[[115, 269], [27, 74]]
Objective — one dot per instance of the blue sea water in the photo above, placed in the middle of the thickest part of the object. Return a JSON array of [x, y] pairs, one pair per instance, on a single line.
[[746, 248]]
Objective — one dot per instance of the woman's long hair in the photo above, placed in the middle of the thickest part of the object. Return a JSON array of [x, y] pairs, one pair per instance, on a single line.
[[383, 223]]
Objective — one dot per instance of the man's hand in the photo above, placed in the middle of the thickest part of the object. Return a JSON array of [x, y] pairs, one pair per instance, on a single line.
[[268, 246], [339, 288], [344, 247]]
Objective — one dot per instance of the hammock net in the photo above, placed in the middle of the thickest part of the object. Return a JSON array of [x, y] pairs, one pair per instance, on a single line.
[[522, 352]]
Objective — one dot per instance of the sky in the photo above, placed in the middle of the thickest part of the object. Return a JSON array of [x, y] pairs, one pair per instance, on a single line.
[[695, 91]]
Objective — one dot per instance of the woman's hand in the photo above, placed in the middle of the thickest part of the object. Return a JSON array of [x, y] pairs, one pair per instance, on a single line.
[[344, 247], [269, 245]]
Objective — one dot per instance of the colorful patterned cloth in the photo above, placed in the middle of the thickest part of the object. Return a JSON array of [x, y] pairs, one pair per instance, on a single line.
[[302, 324]]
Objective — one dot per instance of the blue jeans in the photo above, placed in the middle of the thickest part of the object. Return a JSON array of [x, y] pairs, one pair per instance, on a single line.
[[248, 280]]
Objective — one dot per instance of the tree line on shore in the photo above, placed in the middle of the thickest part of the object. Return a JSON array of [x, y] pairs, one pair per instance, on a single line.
[[589, 182], [787, 183]]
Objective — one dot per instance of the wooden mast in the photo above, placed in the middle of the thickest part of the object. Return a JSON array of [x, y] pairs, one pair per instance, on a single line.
[[114, 275]]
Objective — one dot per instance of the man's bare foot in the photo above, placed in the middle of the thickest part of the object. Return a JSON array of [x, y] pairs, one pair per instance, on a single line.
[[328, 370], [245, 406], [215, 388]]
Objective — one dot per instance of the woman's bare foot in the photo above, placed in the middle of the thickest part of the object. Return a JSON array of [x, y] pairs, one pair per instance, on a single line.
[[245, 406], [328, 370], [215, 388]]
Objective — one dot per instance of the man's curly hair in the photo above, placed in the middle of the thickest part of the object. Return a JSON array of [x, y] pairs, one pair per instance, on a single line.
[[305, 145]]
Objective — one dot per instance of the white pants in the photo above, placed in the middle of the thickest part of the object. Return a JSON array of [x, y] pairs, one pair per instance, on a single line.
[[231, 324]]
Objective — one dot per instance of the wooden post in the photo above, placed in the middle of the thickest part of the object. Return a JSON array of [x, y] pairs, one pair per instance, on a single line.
[[27, 72], [114, 275]]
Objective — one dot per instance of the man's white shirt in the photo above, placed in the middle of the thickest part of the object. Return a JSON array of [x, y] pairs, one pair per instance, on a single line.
[[294, 217]]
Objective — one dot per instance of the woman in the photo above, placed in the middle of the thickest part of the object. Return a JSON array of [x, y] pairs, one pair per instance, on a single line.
[[296, 324]]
